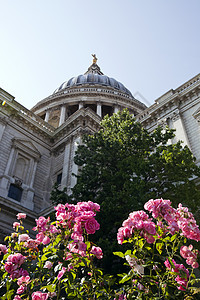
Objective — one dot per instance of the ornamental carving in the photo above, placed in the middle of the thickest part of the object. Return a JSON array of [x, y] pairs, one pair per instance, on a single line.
[[18, 181], [175, 116]]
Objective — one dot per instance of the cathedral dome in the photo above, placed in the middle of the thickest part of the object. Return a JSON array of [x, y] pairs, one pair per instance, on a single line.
[[94, 76], [94, 90], [93, 79]]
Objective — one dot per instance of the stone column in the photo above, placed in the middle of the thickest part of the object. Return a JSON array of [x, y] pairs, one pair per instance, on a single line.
[[2, 128], [80, 105], [99, 110], [9, 160], [62, 115], [33, 174], [74, 166], [116, 109], [180, 128], [65, 170], [47, 116], [5, 180]]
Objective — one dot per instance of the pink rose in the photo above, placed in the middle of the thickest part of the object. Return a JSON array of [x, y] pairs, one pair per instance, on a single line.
[[48, 265], [21, 216], [91, 225], [60, 208], [15, 274], [94, 206], [70, 267], [68, 256], [195, 265], [40, 237], [16, 224], [167, 264], [149, 238], [3, 249], [77, 236], [16, 259], [53, 229], [83, 206], [97, 251], [23, 280], [41, 223], [77, 247], [18, 273], [39, 296], [46, 240], [31, 243], [23, 237], [23, 272], [61, 273], [190, 255], [138, 215], [9, 267], [149, 227], [17, 297], [21, 289]]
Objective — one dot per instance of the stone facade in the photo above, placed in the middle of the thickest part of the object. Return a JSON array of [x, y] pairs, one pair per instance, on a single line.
[[37, 146]]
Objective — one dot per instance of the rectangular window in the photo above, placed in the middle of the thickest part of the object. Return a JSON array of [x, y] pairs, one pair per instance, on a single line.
[[59, 178], [15, 192]]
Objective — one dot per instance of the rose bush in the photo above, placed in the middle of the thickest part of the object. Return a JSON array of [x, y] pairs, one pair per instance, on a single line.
[[58, 263], [161, 264]]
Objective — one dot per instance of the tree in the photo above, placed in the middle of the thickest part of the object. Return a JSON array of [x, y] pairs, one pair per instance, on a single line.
[[123, 165]]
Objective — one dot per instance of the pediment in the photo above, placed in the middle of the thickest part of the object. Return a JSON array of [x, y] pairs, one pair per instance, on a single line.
[[196, 114], [26, 146]]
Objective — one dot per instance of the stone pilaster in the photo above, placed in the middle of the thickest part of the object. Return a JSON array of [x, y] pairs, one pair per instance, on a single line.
[[74, 169], [99, 110], [66, 165], [62, 115], [177, 123], [116, 109], [80, 105], [47, 116]]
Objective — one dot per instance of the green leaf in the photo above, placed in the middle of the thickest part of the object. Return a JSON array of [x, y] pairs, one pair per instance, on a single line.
[[159, 247], [46, 255], [51, 287], [120, 254], [125, 278], [8, 295], [173, 237], [128, 252]]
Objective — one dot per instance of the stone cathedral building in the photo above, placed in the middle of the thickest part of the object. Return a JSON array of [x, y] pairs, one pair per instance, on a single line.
[[37, 146]]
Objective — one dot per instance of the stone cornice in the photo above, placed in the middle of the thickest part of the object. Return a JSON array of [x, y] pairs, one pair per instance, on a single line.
[[89, 91], [16, 110], [5, 96], [14, 207], [173, 98], [15, 113], [18, 116]]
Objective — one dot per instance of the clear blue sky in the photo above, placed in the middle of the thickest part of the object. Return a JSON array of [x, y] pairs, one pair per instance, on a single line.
[[150, 46]]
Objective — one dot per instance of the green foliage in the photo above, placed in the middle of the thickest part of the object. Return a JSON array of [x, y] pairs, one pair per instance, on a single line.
[[57, 266], [80, 278], [159, 268], [123, 165], [59, 196]]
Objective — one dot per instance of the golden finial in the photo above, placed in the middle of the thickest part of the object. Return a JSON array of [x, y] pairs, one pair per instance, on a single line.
[[94, 58]]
